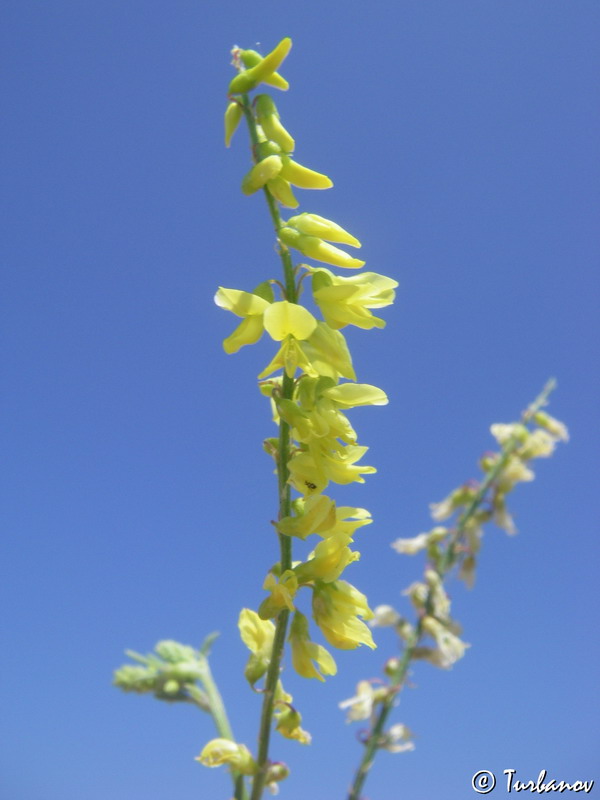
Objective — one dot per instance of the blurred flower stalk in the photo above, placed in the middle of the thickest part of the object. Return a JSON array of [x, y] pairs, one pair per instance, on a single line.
[[435, 636], [311, 384]]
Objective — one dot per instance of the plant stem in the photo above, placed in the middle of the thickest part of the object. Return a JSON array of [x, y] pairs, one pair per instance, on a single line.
[[283, 456], [219, 715], [374, 741]]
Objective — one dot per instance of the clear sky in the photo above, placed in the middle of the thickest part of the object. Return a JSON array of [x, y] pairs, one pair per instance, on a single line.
[[462, 137]]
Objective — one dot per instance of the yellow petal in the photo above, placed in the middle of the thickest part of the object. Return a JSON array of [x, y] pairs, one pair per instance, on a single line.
[[284, 319], [243, 304]]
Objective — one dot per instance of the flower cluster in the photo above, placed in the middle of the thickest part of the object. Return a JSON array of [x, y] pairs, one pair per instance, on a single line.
[[435, 637], [172, 673], [311, 384]]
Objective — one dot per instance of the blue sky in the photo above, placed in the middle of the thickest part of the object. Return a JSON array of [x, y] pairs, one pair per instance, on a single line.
[[462, 140]]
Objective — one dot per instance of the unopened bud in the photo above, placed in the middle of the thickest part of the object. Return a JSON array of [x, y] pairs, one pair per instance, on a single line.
[[233, 115], [268, 117], [261, 173], [262, 70], [552, 425], [277, 772]]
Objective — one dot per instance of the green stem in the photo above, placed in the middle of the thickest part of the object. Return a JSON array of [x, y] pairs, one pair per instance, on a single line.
[[219, 715], [283, 456], [374, 741]]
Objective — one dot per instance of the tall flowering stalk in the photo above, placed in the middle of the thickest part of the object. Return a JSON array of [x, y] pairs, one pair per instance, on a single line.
[[310, 383], [434, 637]]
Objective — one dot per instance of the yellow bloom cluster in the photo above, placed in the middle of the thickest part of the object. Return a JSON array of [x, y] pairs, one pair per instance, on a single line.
[[311, 384]]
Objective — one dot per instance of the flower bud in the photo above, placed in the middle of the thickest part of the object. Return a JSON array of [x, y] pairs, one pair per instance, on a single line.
[[174, 652], [282, 192], [391, 666], [552, 425], [316, 248], [276, 772], [250, 58], [224, 751], [314, 225], [261, 173], [133, 678], [268, 117], [263, 69], [303, 177], [233, 115]]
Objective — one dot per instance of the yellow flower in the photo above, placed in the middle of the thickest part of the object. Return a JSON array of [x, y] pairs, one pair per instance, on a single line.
[[347, 521], [289, 323], [248, 305], [328, 353], [223, 751], [282, 593], [288, 319], [287, 718], [318, 414], [290, 357], [305, 652], [336, 608], [318, 514], [313, 514], [328, 560], [287, 723], [324, 352], [311, 470], [257, 634], [282, 321], [346, 301]]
